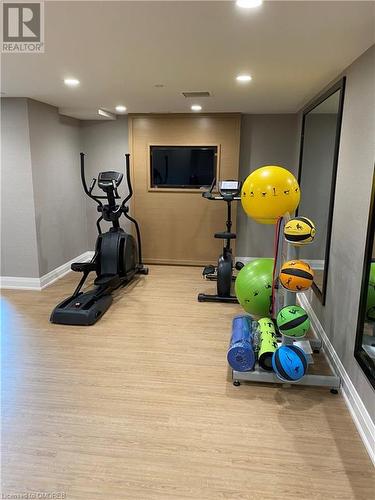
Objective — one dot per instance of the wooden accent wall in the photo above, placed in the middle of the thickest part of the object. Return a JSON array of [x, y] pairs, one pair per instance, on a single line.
[[177, 225]]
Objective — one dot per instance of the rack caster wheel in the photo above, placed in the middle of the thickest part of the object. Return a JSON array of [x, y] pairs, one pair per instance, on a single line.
[[334, 391], [316, 351], [236, 383]]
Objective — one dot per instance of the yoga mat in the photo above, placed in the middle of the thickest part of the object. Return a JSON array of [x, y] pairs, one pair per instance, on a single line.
[[240, 353], [267, 343]]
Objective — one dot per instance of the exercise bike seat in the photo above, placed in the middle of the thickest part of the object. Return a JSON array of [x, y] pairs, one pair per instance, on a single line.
[[225, 236], [83, 267]]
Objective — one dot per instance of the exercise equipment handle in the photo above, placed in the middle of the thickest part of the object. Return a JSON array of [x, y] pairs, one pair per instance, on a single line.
[[83, 179], [128, 180], [209, 196], [125, 209], [92, 185]]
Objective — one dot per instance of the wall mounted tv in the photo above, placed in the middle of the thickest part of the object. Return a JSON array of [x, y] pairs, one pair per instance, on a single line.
[[182, 167]]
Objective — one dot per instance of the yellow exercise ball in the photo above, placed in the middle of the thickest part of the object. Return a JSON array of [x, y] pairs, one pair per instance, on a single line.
[[270, 192]]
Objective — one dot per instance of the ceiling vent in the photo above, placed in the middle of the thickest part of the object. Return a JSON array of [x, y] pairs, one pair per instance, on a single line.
[[195, 95]]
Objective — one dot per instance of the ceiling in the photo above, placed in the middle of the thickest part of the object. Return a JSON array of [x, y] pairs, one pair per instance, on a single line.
[[120, 50]]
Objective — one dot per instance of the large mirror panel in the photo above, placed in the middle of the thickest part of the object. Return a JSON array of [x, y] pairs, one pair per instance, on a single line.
[[320, 140], [365, 340]]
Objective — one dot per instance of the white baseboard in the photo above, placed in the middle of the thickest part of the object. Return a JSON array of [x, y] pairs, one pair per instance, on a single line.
[[360, 416], [316, 264], [10, 282]]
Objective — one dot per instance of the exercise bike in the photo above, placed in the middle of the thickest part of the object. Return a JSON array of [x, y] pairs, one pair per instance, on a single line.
[[229, 191], [117, 258]]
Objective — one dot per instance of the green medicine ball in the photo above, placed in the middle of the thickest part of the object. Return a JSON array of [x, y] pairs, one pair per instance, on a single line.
[[293, 321], [253, 287]]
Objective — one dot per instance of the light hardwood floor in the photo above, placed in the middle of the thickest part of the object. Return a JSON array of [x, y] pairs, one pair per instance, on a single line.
[[140, 406]]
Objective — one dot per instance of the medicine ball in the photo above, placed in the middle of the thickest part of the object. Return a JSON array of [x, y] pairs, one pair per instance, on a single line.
[[289, 363], [299, 231], [293, 321], [296, 275]]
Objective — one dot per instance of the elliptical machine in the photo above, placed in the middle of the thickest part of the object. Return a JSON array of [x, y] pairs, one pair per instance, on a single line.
[[117, 258], [229, 191]]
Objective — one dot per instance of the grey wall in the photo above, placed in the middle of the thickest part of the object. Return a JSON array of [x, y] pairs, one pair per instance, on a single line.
[[265, 140], [43, 203], [59, 200], [19, 253], [352, 201], [105, 143], [317, 169]]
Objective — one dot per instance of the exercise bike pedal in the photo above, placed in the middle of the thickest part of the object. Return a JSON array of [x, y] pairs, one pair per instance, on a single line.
[[239, 265], [208, 270]]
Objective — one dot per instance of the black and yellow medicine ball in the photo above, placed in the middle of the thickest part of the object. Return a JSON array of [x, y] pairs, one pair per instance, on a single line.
[[299, 231], [296, 275]]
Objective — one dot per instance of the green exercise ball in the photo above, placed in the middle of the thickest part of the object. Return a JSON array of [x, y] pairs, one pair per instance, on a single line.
[[253, 287], [370, 303]]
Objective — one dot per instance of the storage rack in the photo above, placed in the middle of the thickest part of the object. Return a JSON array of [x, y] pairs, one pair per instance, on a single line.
[[283, 298]]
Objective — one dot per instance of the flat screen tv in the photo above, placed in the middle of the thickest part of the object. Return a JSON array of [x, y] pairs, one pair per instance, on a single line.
[[184, 167]]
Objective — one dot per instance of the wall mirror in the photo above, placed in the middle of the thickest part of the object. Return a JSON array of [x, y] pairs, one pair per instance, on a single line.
[[320, 140], [364, 351]]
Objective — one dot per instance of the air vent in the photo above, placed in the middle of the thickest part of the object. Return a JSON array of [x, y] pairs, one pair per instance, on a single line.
[[194, 95]]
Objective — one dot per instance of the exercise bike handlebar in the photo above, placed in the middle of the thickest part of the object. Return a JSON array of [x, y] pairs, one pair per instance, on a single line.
[[210, 196]]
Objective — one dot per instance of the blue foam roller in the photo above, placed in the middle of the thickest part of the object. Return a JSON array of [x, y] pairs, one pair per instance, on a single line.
[[240, 353]]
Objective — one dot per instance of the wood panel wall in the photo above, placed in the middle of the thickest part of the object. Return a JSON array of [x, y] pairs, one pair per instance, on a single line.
[[178, 226]]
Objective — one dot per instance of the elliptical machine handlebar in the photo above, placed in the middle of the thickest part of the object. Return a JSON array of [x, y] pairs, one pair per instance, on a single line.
[[125, 209], [89, 190], [128, 180], [93, 182]]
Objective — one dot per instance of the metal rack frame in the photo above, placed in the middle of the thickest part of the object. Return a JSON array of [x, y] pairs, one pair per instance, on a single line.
[[284, 297]]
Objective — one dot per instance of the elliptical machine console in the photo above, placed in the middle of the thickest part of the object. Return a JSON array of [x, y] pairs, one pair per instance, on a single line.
[[117, 258], [229, 191]]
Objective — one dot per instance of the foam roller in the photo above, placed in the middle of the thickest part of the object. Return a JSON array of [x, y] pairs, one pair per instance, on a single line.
[[240, 354], [267, 343]]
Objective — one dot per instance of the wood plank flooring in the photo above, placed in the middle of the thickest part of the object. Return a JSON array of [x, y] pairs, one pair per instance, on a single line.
[[140, 406]]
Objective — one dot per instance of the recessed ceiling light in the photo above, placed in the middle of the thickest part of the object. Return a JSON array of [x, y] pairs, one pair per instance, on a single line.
[[243, 78], [196, 107], [120, 108], [71, 82], [249, 4]]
